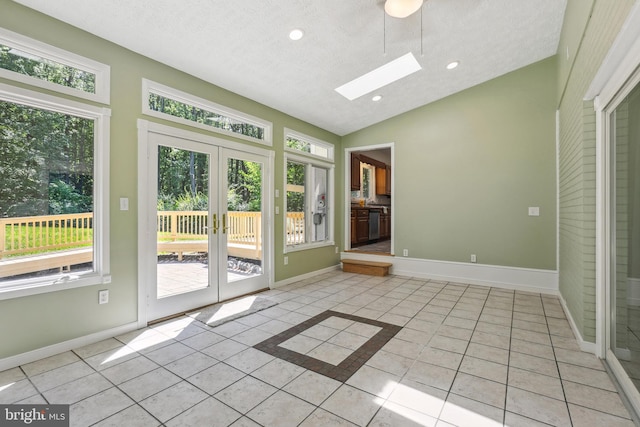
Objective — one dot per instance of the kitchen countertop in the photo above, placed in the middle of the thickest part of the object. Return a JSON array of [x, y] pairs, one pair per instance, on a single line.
[[369, 207]]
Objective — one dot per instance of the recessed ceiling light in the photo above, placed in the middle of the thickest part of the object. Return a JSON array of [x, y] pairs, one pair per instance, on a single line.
[[381, 76], [296, 34], [453, 65], [376, 98]]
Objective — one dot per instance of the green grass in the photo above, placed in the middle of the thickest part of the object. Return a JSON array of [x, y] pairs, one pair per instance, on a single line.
[[19, 237]]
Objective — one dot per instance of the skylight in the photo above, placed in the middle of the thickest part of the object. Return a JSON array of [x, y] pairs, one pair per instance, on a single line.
[[381, 76]]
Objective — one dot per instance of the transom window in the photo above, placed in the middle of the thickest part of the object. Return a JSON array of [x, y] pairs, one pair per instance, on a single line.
[[171, 104], [38, 64], [301, 143]]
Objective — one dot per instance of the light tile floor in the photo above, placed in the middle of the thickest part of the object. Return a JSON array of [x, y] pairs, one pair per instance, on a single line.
[[465, 356]]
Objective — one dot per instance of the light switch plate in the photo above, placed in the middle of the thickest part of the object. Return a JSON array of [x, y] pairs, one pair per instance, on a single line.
[[124, 204], [534, 211]]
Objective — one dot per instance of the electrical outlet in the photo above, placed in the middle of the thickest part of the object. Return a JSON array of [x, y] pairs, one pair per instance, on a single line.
[[474, 258], [103, 296], [336, 249], [286, 260], [405, 252]]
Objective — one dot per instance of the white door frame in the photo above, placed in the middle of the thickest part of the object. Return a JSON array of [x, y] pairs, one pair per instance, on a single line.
[[144, 273]]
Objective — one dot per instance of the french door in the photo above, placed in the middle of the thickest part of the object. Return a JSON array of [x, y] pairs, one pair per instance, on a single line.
[[205, 224]]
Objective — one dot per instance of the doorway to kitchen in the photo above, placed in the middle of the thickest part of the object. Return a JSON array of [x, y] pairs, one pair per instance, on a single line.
[[369, 176]]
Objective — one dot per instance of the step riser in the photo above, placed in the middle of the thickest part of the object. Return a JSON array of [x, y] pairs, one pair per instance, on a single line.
[[365, 269]]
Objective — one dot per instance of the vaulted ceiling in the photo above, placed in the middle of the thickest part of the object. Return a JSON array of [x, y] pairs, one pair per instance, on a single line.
[[244, 46]]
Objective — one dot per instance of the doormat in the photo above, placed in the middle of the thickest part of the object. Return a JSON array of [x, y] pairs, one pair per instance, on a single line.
[[217, 314]]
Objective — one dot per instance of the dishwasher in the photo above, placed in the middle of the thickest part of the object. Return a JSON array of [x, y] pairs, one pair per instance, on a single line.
[[374, 225]]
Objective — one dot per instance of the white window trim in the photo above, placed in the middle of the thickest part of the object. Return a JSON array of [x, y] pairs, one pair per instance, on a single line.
[[149, 86], [330, 203], [101, 273], [43, 50], [302, 137]]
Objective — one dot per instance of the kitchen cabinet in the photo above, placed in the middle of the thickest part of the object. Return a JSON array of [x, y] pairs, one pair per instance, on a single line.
[[354, 235], [385, 225], [383, 180], [362, 225], [355, 172]]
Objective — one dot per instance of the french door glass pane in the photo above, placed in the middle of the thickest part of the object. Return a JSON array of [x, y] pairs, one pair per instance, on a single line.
[[243, 221], [625, 243], [182, 221]]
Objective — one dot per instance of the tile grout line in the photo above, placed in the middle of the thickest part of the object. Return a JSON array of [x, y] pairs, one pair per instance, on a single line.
[[506, 386]]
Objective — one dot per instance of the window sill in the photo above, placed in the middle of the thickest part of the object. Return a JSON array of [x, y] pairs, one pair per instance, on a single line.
[[59, 283], [307, 246]]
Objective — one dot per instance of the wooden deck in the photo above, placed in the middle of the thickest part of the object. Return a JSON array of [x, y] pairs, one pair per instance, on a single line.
[[180, 247], [62, 260], [51, 236]]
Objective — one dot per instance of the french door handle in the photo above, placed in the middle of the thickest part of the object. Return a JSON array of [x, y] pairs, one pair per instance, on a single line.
[[215, 223], [224, 223]]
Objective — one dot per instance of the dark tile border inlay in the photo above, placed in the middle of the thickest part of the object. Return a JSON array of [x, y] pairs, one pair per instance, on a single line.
[[348, 366]]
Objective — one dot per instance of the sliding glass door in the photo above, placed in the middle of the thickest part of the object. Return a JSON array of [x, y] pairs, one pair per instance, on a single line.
[[623, 321]]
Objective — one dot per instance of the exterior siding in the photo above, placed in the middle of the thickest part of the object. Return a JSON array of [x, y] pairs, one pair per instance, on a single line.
[[577, 164]]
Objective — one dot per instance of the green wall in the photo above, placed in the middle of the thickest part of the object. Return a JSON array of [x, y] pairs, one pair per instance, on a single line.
[[37, 321], [634, 184], [576, 16], [467, 168]]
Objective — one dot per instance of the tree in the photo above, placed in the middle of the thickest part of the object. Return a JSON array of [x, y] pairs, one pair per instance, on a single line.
[[39, 148], [45, 156], [245, 186], [295, 176]]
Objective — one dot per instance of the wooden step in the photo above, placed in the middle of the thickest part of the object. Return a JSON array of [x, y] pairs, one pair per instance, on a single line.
[[372, 268]]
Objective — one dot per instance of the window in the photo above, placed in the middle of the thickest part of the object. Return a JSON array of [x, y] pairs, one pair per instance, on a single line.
[[368, 174], [309, 188], [29, 61], [54, 165], [171, 104], [301, 143]]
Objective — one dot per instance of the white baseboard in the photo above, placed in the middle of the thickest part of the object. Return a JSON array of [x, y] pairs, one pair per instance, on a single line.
[[522, 279], [290, 280], [584, 345], [633, 291], [51, 350]]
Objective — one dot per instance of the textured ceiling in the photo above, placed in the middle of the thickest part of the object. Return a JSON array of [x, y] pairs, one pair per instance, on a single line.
[[243, 46]]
